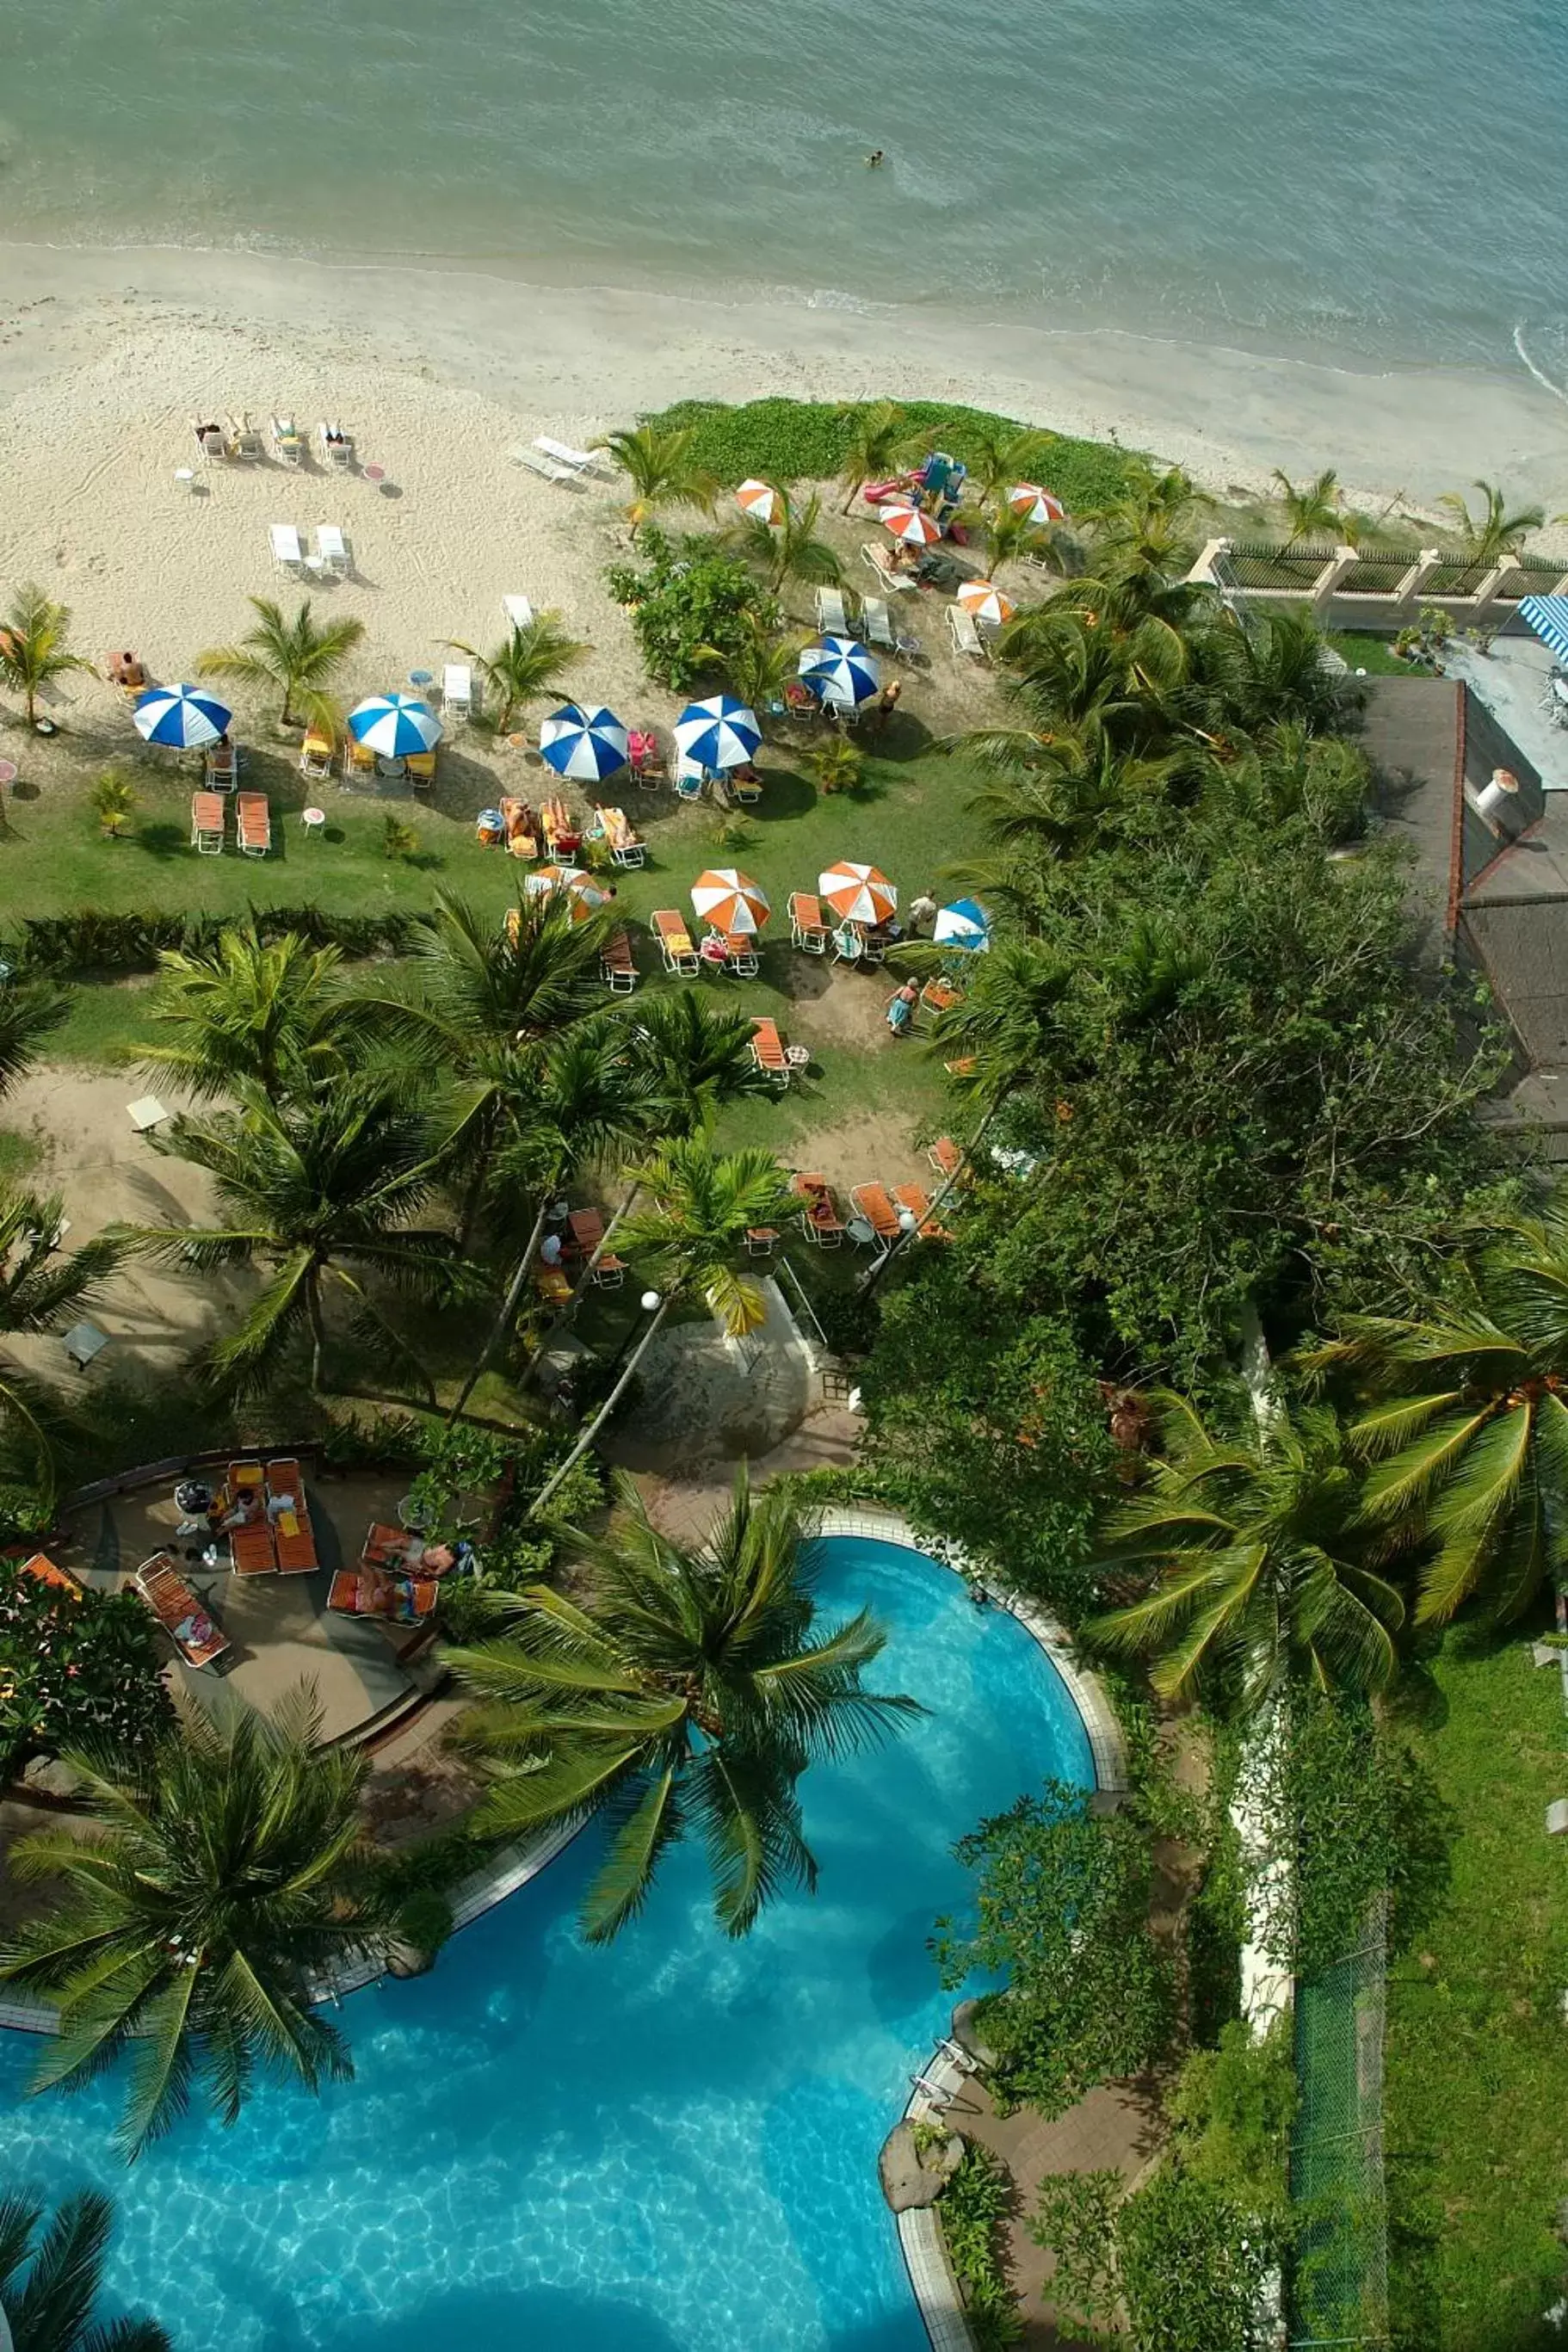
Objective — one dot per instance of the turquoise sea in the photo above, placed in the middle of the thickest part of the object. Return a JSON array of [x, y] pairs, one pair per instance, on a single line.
[[1381, 181]]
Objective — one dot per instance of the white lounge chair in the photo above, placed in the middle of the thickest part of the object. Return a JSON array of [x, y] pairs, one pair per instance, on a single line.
[[337, 447], [876, 623], [902, 583], [582, 461], [209, 440], [831, 617], [519, 612], [967, 637], [457, 691], [241, 438], [287, 552], [538, 463], [332, 550], [288, 442]]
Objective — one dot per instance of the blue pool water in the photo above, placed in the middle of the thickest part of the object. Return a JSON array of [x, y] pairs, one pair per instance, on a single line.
[[667, 2143]]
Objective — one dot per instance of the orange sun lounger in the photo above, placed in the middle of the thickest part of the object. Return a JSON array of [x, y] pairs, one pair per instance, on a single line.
[[368, 1592], [250, 1547], [914, 1198], [618, 964], [806, 927], [674, 942], [253, 821], [177, 1610], [293, 1536], [767, 1051], [871, 1203], [819, 1211]]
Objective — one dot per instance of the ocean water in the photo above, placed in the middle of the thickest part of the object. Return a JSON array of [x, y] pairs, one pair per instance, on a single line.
[[1374, 180], [666, 2146]]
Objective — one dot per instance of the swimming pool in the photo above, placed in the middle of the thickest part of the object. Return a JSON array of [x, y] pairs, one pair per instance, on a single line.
[[666, 2146]]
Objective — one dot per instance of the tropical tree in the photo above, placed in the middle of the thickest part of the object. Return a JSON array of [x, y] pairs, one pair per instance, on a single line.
[[1466, 1425], [1003, 1030], [1001, 456], [1264, 1569], [836, 764], [687, 1690], [34, 645], [759, 665], [302, 655], [662, 471], [1314, 510], [788, 549], [1491, 531], [531, 666], [880, 438], [43, 1289], [1057, 794], [271, 1013], [697, 1206], [48, 2285], [1009, 537], [29, 1011], [113, 800], [226, 1869], [320, 1189]]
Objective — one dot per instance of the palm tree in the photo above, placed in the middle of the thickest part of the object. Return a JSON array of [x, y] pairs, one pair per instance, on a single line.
[[1265, 675], [788, 549], [531, 666], [1314, 508], [29, 1011], [1261, 1560], [880, 438], [999, 456], [112, 800], [1009, 537], [1467, 1422], [225, 1870], [692, 1228], [301, 655], [49, 2308], [320, 1190], [661, 470], [760, 665], [33, 646], [1493, 533], [687, 1690], [271, 1013], [1003, 1029], [1058, 794], [43, 1289]]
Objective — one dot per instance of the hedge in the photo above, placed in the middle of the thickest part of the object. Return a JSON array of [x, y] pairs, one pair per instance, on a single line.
[[90, 940]]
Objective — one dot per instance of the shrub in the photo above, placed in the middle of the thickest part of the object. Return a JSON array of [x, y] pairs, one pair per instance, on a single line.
[[972, 2208], [75, 1667], [112, 799], [837, 764], [688, 610], [91, 941], [397, 839]]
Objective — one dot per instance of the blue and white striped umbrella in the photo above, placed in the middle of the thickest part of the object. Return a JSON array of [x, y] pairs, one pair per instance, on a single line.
[[718, 733], [1548, 617], [966, 924], [840, 670], [186, 717], [394, 725], [587, 745]]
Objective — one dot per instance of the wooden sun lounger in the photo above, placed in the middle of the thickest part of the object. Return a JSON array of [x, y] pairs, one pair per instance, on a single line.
[[250, 1548], [293, 1536], [674, 942], [44, 1570], [945, 1158], [206, 824], [940, 995], [368, 1592], [253, 821], [914, 1198], [618, 964], [768, 1052], [192, 1632], [820, 1220], [871, 1201], [806, 927]]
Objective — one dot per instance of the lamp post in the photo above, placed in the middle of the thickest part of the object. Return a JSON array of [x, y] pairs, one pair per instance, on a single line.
[[648, 1303]]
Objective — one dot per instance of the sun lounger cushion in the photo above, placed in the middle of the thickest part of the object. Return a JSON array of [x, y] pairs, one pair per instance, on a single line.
[[364, 1592]]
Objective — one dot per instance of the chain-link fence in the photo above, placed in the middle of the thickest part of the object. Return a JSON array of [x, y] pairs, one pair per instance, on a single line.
[[1339, 2284]]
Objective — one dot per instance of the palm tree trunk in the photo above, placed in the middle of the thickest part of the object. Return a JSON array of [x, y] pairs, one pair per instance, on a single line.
[[605, 1409], [878, 1267], [318, 1329], [509, 1307], [586, 1276]]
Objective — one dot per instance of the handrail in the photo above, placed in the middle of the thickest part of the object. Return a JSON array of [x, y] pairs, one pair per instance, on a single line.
[[805, 1306]]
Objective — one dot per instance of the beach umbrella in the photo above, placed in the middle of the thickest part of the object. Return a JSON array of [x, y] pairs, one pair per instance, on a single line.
[[394, 725], [966, 924], [910, 525], [985, 601], [1036, 505], [185, 717], [1547, 615], [761, 499], [585, 893], [859, 894], [587, 745], [718, 733], [840, 671], [730, 900]]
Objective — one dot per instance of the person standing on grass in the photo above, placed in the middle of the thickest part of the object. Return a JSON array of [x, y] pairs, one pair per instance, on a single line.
[[888, 702], [921, 911]]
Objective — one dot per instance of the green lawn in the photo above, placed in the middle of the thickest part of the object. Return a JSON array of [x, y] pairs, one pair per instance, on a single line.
[[1477, 2128], [1365, 650]]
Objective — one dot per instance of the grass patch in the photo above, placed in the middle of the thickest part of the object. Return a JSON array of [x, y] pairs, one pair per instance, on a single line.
[[106, 1024], [804, 440], [1376, 655], [1476, 2068]]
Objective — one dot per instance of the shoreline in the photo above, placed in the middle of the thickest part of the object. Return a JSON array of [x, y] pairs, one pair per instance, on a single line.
[[588, 358]]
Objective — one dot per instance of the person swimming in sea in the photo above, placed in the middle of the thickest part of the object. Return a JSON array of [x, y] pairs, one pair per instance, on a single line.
[[874, 158]]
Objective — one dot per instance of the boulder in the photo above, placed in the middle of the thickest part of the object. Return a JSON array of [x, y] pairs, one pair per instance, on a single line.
[[50, 1778], [405, 1959], [910, 2179], [967, 2036]]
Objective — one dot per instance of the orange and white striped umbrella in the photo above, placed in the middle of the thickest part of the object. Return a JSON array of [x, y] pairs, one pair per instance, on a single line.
[[1028, 498], [859, 894], [985, 601], [908, 524], [730, 899], [761, 499], [585, 893]]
